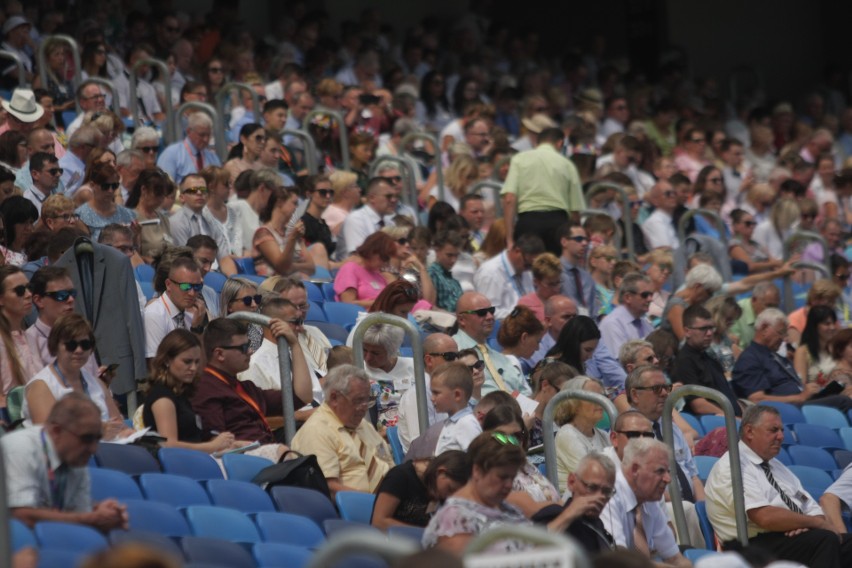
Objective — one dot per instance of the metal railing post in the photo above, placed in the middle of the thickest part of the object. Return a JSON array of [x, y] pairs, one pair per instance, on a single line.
[[344, 134], [284, 368], [22, 71], [407, 172], [789, 300], [360, 541], [733, 456], [5, 518], [625, 214], [106, 83], [310, 148], [575, 555], [436, 149], [41, 58], [417, 349], [495, 187], [547, 425], [225, 92], [169, 132], [717, 220], [218, 125]]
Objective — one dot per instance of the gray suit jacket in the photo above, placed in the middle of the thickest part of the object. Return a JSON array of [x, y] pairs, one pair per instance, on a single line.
[[114, 308]]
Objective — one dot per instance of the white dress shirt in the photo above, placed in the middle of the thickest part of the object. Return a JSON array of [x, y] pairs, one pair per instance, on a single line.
[[159, 321], [459, 431], [498, 281], [659, 230], [359, 225]]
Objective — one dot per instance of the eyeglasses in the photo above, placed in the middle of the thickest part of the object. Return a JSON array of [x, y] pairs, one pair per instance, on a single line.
[[297, 321], [704, 328], [187, 286], [843, 277], [84, 344], [668, 193], [242, 348], [86, 439], [67, 217], [402, 242], [579, 239], [392, 196], [259, 138], [249, 300], [324, 192], [110, 186], [95, 97], [392, 179], [607, 258], [201, 190], [481, 312], [368, 402], [304, 307], [62, 295], [148, 149], [505, 438], [476, 366], [448, 356], [631, 434], [54, 171], [21, 290], [215, 70], [604, 490], [658, 389], [637, 203]]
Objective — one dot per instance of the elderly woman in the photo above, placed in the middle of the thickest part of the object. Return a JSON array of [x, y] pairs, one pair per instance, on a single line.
[[577, 435], [547, 282], [146, 141], [57, 212], [242, 295], [347, 195], [390, 374], [702, 281], [360, 279]]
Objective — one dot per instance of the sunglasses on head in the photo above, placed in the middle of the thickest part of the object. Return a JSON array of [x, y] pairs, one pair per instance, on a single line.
[[636, 434], [448, 356], [242, 348], [505, 438], [21, 290], [62, 295], [481, 312], [249, 300], [73, 344], [187, 286]]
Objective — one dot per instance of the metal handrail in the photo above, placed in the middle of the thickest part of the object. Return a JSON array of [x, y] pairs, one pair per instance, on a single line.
[[407, 172], [533, 535], [717, 219], [547, 424], [436, 146], [169, 132], [733, 455], [22, 71], [310, 148], [789, 300], [416, 346], [5, 518], [625, 214], [359, 541], [495, 187], [344, 134], [218, 125], [809, 236], [285, 370], [116, 106], [41, 58], [225, 92]]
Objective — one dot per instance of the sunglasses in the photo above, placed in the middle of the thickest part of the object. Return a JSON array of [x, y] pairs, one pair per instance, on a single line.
[[643, 295], [749, 223], [579, 239], [110, 186], [392, 197], [631, 434], [392, 179], [297, 321], [324, 192], [476, 366], [84, 344], [55, 171], [201, 190], [448, 356], [215, 70], [62, 295], [21, 290], [637, 203], [187, 286], [249, 300], [402, 242], [668, 194], [704, 328], [259, 138], [658, 389], [505, 438], [481, 312], [242, 348]]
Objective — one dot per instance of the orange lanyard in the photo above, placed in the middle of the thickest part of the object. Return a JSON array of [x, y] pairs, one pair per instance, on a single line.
[[241, 392]]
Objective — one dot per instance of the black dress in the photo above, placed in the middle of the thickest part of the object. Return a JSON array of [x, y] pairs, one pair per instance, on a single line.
[[402, 482], [188, 423]]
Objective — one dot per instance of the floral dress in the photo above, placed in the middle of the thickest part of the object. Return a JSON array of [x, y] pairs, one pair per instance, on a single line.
[[462, 516]]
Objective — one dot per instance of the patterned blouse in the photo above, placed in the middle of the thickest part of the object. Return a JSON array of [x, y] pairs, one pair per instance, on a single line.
[[460, 516]]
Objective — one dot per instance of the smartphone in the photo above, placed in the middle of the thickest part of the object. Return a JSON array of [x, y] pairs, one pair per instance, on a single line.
[[368, 99], [108, 372]]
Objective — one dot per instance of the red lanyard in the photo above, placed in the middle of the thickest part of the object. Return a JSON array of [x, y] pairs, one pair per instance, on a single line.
[[241, 392]]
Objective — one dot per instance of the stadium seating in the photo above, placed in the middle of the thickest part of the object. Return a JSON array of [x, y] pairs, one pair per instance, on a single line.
[[305, 502], [132, 460], [243, 467], [110, 483], [189, 463], [174, 490], [355, 506], [240, 495]]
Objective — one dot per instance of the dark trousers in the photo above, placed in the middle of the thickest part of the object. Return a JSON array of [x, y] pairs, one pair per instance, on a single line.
[[817, 548], [841, 402], [544, 224]]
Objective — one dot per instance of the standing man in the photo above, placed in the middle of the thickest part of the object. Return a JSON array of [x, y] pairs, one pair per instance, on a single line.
[[627, 321], [543, 186], [506, 278], [192, 154]]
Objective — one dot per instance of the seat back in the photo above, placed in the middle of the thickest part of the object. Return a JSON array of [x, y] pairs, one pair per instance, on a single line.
[[243, 467], [189, 463], [132, 460], [817, 436], [22, 536], [704, 465], [221, 523], [173, 490], [814, 457], [149, 539], [112, 484], [156, 517], [334, 526], [790, 414], [289, 529], [315, 311], [214, 552], [68, 536], [240, 495], [355, 506], [825, 416], [342, 313], [706, 527], [275, 554], [305, 502], [331, 330], [815, 481], [694, 422]]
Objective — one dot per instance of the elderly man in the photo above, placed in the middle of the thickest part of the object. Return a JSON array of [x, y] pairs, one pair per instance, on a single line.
[[633, 515], [628, 321], [475, 315], [23, 112], [73, 163], [179, 307], [351, 454], [505, 278], [192, 154], [659, 228], [543, 186], [783, 518], [375, 215], [91, 99], [761, 374], [765, 295], [389, 171], [47, 478]]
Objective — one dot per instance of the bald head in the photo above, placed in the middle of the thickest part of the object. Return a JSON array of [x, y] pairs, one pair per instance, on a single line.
[[480, 322], [471, 301], [630, 421], [40, 140], [558, 310], [437, 343]]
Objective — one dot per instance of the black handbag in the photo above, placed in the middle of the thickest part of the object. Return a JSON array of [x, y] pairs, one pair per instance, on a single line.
[[301, 471]]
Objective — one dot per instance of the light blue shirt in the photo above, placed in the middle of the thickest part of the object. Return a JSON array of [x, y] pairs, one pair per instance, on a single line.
[[179, 159], [601, 366], [511, 375], [620, 326], [585, 298]]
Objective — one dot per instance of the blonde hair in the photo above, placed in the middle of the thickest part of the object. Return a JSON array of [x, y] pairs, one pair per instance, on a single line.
[[340, 180], [546, 265], [456, 177]]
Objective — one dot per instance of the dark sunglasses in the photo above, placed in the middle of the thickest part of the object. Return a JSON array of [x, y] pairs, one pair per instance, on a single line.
[[448, 356], [194, 190], [476, 366], [55, 171], [110, 186], [402, 242], [215, 70], [62, 295], [21, 290], [749, 223], [658, 389], [187, 286], [392, 179], [85, 344], [579, 239], [324, 192], [242, 348], [297, 321], [481, 312], [249, 300], [505, 438], [148, 149], [636, 434], [643, 295]]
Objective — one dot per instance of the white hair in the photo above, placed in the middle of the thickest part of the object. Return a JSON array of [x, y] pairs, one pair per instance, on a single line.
[[704, 275], [769, 317], [388, 337], [143, 134], [199, 119], [639, 448], [339, 378]]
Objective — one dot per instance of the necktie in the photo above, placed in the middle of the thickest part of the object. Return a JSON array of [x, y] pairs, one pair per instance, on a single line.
[[683, 481], [368, 456], [199, 161], [640, 537], [519, 282], [317, 353], [195, 223], [58, 489], [180, 320], [578, 283], [381, 223], [492, 370], [784, 497], [637, 323]]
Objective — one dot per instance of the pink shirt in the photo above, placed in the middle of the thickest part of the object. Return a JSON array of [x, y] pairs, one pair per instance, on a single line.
[[533, 302], [334, 217], [28, 356], [367, 284]]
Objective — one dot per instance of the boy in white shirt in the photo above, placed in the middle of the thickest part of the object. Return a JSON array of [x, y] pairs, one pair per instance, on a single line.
[[452, 386]]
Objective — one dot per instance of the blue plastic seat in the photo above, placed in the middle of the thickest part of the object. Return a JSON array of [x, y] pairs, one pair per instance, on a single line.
[[825, 416], [342, 313], [145, 273], [132, 460], [335, 526], [846, 436], [818, 436], [289, 529], [215, 280], [243, 467], [150, 539], [814, 457], [321, 273], [704, 465], [212, 552], [355, 506], [814, 480], [315, 311], [711, 422], [784, 456], [790, 414], [275, 554], [67, 536], [221, 523], [706, 527], [395, 444], [189, 463], [314, 292], [411, 533], [789, 437], [53, 557], [156, 517], [22, 536], [174, 490], [406, 352], [109, 483], [843, 458], [245, 265], [692, 420], [240, 495], [328, 291], [305, 502], [331, 331]]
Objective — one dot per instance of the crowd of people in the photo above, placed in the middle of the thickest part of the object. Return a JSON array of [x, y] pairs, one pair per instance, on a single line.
[[546, 223]]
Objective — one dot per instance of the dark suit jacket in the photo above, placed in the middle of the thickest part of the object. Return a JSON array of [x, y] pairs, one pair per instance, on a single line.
[[114, 308]]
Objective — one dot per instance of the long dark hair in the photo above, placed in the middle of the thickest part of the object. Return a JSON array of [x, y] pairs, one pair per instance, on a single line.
[[575, 332], [810, 335], [429, 101], [154, 179], [247, 130]]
